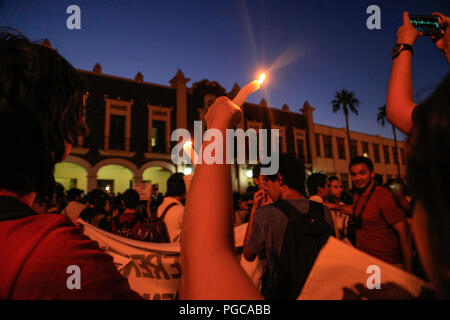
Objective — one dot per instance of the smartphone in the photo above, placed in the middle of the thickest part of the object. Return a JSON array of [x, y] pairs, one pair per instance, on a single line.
[[427, 24]]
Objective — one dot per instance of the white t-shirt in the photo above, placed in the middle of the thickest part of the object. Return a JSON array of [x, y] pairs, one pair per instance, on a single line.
[[173, 218]]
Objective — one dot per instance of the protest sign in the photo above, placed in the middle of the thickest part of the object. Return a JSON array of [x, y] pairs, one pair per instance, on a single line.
[[341, 272], [144, 190], [153, 269]]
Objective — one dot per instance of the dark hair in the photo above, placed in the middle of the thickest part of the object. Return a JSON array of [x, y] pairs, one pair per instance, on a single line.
[[332, 178], [175, 185], [97, 198], [56, 198], [292, 171], [130, 199], [73, 194], [40, 111], [315, 181], [363, 160], [429, 173]]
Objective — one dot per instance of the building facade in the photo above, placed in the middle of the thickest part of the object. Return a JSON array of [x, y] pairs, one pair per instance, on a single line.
[[131, 122]]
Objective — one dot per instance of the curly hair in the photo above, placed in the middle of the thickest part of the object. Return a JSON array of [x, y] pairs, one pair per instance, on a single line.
[[40, 112]]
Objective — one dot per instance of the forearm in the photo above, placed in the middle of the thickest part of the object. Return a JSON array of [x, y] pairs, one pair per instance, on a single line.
[[208, 238], [399, 101]]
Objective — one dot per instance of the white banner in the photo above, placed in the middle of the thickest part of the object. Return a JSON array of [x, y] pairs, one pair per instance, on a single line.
[[153, 269], [341, 272]]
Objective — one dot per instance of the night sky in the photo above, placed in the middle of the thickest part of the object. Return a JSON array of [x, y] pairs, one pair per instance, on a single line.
[[311, 48]]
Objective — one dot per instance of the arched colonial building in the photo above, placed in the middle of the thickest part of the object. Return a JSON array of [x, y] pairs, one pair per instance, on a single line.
[[131, 122]]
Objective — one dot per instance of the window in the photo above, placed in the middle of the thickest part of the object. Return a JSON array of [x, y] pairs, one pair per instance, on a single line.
[[318, 153], [158, 129], [300, 149], [300, 144], [387, 159], [282, 137], [159, 136], [403, 155], [117, 132], [395, 153], [365, 149], [327, 147], [117, 124], [341, 148], [376, 152], [353, 149]]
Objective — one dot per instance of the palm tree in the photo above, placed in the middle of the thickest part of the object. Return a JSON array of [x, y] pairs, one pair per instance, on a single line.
[[382, 119], [346, 101]]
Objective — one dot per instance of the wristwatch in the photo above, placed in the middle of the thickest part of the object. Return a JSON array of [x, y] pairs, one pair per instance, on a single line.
[[399, 47]]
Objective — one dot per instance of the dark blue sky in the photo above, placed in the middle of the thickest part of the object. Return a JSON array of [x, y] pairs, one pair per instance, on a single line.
[[312, 48]]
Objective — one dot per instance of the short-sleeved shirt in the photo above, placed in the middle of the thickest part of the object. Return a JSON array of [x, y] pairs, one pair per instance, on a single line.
[[376, 235], [269, 225], [173, 218], [37, 250]]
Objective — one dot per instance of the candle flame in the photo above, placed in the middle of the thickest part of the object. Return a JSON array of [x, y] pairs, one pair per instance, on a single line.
[[261, 78]]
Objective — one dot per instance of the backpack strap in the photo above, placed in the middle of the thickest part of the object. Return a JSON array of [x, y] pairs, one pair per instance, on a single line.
[[288, 209], [167, 209]]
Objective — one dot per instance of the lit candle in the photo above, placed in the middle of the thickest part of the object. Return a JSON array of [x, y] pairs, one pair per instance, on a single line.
[[187, 147], [248, 89]]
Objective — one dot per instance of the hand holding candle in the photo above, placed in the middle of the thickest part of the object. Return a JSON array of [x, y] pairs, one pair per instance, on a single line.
[[248, 89], [187, 147]]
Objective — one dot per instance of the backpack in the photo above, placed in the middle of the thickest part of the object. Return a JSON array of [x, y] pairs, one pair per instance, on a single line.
[[125, 229], [155, 229], [304, 236]]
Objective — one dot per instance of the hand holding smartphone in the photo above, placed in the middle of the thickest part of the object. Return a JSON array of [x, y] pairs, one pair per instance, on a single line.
[[429, 25]]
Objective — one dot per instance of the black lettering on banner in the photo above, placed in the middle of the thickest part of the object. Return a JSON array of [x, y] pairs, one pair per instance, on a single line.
[[143, 265], [126, 271], [158, 267], [175, 265], [159, 296]]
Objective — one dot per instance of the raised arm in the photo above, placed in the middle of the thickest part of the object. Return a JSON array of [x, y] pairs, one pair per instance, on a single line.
[[399, 100], [210, 269]]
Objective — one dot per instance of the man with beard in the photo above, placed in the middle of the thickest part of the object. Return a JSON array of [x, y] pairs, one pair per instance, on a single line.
[[381, 226]]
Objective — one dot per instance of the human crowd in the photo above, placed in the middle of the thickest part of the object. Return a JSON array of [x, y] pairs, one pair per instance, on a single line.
[[290, 215], [124, 214]]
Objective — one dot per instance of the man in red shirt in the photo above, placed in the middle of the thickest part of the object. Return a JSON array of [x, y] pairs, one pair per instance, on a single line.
[[382, 230], [43, 256]]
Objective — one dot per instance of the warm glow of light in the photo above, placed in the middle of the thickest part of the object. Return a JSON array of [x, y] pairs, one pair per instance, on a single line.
[[261, 79], [188, 144]]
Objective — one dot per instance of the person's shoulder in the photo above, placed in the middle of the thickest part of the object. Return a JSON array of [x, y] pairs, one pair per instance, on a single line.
[[302, 204]]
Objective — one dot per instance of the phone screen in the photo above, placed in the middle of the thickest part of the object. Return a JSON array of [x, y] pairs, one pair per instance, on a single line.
[[429, 25]]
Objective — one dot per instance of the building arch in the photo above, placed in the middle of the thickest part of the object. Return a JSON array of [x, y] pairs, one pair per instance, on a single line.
[[81, 162], [157, 163], [127, 164], [75, 172], [157, 172]]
